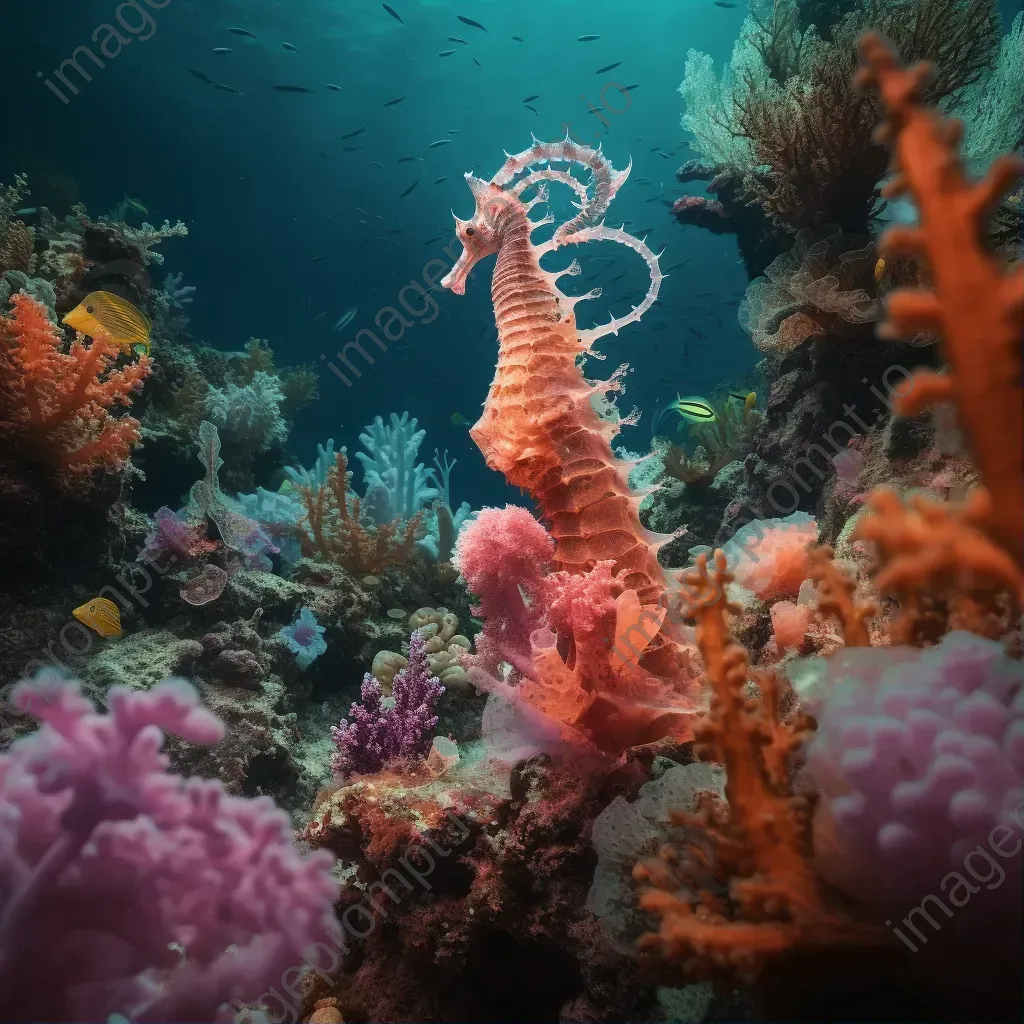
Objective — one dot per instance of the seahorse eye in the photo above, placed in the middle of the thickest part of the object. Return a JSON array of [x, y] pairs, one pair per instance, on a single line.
[[470, 231]]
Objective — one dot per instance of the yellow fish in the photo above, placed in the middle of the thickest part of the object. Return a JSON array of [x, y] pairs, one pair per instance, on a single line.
[[694, 409], [100, 615], [107, 313], [879, 269], [749, 400]]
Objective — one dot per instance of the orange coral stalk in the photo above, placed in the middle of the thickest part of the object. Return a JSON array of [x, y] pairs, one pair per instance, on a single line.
[[341, 534], [931, 550], [975, 304], [57, 405], [835, 590], [774, 901]]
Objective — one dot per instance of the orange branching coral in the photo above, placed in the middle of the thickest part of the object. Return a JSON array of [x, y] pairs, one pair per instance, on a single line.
[[975, 305], [343, 535], [55, 406], [835, 597], [773, 899], [938, 562]]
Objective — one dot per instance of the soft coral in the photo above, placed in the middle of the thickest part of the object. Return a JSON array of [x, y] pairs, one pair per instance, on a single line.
[[55, 406]]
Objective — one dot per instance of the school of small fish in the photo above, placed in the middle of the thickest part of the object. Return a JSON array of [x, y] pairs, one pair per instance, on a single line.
[[136, 338]]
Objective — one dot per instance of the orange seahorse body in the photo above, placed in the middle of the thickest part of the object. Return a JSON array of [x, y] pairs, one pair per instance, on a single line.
[[539, 426]]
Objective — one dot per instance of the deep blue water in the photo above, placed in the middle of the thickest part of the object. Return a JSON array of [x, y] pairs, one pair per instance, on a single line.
[[265, 185]]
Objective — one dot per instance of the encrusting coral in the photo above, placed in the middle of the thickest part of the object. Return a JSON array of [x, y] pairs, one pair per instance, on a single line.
[[814, 290], [55, 405]]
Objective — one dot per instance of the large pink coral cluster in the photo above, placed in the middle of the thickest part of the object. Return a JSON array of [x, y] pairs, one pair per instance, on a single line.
[[128, 891], [920, 755], [574, 642]]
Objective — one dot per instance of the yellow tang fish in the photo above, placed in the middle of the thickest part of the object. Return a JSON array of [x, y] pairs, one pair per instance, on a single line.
[[107, 313], [694, 409], [100, 615]]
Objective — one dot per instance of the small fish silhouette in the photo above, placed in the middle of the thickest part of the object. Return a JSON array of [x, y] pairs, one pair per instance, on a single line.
[[394, 14]]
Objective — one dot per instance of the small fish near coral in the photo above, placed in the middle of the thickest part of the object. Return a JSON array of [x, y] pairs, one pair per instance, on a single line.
[[102, 616], [696, 410], [109, 314]]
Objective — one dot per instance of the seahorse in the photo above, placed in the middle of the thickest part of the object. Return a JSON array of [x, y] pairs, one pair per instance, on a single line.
[[539, 425]]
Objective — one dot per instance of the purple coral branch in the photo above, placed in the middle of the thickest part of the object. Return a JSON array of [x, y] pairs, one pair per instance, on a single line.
[[376, 733]]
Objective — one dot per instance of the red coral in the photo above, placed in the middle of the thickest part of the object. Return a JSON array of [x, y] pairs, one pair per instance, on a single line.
[[55, 406]]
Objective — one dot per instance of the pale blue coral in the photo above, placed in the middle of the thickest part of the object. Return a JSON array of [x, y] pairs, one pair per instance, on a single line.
[[397, 486], [316, 477]]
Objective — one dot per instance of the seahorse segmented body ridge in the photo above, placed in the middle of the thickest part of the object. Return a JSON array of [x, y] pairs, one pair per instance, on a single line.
[[539, 426]]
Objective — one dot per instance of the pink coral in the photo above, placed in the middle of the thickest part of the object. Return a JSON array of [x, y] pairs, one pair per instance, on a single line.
[[130, 892], [769, 556], [790, 622], [502, 554], [574, 641], [920, 756]]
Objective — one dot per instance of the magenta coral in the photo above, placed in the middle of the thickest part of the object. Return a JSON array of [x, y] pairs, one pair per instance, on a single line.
[[174, 535], [376, 733], [130, 891], [574, 642]]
